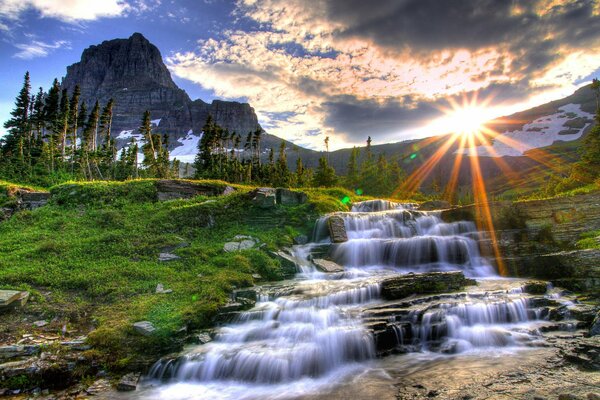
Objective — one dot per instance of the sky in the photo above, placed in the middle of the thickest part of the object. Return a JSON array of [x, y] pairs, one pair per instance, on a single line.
[[390, 69]]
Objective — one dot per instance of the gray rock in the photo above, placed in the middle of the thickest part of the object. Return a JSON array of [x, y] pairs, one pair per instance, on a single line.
[[257, 276], [99, 386], [300, 239], [242, 242], [40, 323], [128, 382], [337, 229], [161, 289], [595, 328], [287, 197], [10, 299], [228, 190], [327, 266], [169, 189], [264, 197], [162, 257], [30, 200], [203, 338], [401, 286], [8, 352], [145, 328], [289, 264]]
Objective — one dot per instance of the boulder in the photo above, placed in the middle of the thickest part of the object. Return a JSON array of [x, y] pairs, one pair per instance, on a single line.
[[8, 352], [535, 287], [287, 197], [11, 299], [337, 229], [170, 189], [30, 200], [327, 266], [145, 328], [300, 239], [161, 289], [401, 286], [264, 197], [128, 382], [289, 264], [203, 338]]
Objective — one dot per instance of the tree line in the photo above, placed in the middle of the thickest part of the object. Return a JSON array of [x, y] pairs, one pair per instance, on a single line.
[[52, 137]]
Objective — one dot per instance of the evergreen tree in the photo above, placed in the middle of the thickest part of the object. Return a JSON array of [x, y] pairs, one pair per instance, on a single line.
[[18, 125], [352, 178], [324, 175], [64, 123], [74, 122]]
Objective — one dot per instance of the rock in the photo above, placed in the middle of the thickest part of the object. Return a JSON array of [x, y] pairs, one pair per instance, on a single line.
[[161, 289], [10, 299], [228, 190], [132, 72], [8, 352], [264, 197], [128, 382], [162, 257], [99, 386], [145, 328], [40, 323], [256, 276], [169, 189], [30, 200], [241, 242], [287, 197], [337, 229], [300, 239], [289, 264], [568, 396], [327, 266], [203, 338], [434, 205], [595, 328], [402, 286], [535, 287]]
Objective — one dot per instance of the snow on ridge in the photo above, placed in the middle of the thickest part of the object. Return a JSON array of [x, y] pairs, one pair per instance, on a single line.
[[541, 132], [186, 152], [155, 121]]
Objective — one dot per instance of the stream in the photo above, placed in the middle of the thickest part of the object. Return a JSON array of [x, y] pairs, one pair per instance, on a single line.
[[313, 337]]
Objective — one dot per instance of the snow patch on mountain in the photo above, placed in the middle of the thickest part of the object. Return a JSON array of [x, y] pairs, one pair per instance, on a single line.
[[186, 152], [541, 132]]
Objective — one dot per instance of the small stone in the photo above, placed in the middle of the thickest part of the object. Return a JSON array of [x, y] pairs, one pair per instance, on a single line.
[[40, 323], [167, 257], [128, 382], [228, 190], [567, 396], [99, 386], [203, 338], [161, 289], [145, 328]]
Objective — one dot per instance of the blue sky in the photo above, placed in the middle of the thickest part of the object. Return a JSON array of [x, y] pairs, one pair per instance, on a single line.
[[340, 68]]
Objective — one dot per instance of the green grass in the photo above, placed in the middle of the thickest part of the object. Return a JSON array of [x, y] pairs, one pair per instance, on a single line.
[[589, 240], [90, 257]]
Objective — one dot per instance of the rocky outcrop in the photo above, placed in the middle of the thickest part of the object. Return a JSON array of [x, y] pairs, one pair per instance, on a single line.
[[169, 189], [399, 287], [327, 266], [337, 229], [131, 71]]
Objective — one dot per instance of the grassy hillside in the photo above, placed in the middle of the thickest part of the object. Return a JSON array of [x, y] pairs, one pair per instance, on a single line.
[[90, 260]]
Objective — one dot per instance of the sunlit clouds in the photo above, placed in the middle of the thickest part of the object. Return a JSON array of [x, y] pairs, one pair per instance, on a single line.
[[305, 66]]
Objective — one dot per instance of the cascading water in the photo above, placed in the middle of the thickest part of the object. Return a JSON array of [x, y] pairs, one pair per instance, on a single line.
[[321, 327]]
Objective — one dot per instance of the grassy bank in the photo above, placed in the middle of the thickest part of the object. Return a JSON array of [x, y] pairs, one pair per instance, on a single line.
[[90, 260]]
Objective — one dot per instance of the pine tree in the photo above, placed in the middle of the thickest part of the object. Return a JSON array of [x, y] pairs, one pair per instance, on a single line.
[[64, 116], [18, 125], [324, 175], [353, 172], [74, 122]]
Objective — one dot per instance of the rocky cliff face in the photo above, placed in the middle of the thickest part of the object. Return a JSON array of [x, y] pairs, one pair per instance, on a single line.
[[132, 72]]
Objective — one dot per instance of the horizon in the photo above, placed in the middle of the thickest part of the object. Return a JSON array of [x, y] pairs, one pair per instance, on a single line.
[[346, 73]]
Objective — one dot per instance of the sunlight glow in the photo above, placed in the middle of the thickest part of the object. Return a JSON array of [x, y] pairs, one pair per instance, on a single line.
[[466, 117]]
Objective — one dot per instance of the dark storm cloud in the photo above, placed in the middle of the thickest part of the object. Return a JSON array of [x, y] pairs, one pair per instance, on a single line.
[[423, 26]]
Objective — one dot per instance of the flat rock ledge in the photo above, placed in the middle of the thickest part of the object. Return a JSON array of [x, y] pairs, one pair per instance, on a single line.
[[327, 266], [399, 287]]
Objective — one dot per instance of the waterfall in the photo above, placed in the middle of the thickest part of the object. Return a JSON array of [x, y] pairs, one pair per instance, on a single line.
[[323, 324]]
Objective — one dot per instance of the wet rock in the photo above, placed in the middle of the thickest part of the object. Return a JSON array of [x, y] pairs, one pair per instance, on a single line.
[[128, 382], [434, 205], [289, 264], [337, 229], [595, 328], [145, 328], [264, 197], [301, 239], [8, 352], [162, 257], [287, 197], [203, 338], [99, 386], [535, 287], [402, 286], [327, 266]]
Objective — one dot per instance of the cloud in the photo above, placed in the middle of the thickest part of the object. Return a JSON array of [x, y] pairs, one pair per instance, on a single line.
[[343, 67], [37, 49], [66, 10]]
